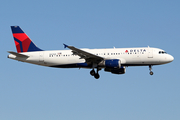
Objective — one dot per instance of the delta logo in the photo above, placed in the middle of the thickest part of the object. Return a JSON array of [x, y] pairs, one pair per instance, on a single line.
[[135, 50]]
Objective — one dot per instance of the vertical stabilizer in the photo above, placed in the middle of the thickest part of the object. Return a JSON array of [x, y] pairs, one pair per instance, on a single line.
[[22, 41]]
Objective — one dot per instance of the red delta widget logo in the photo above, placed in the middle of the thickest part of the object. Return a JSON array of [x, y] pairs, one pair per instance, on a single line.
[[135, 50]]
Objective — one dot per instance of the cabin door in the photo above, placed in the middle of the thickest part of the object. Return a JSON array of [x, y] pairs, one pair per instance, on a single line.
[[41, 57], [150, 53]]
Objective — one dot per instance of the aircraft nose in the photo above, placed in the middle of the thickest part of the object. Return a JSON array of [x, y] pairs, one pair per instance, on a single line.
[[170, 58]]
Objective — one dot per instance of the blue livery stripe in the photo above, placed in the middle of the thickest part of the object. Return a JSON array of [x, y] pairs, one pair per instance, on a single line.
[[82, 64], [77, 65]]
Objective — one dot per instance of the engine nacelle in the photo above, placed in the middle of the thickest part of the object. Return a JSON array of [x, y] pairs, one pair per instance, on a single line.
[[121, 70], [112, 63]]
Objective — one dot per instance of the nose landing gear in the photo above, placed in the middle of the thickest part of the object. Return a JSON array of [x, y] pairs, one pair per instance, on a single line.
[[150, 68]]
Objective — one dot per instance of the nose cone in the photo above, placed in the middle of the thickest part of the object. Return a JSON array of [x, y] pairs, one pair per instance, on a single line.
[[170, 58]]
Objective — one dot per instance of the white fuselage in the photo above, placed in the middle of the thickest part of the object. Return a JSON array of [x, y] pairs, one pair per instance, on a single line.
[[127, 56]]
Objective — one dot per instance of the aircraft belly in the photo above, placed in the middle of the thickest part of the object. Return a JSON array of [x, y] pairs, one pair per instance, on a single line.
[[62, 61]]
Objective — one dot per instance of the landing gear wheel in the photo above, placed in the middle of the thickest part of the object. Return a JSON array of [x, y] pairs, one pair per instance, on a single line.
[[151, 73], [92, 72], [150, 68], [96, 76]]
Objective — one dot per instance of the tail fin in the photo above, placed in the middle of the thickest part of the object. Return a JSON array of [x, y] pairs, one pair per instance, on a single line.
[[22, 41]]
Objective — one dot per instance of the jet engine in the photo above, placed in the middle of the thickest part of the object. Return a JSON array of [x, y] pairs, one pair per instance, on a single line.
[[111, 64], [121, 70]]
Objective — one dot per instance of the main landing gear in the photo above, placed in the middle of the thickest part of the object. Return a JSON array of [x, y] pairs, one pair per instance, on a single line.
[[95, 74], [150, 68]]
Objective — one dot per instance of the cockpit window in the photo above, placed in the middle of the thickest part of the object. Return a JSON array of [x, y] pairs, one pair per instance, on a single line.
[[162, 52]]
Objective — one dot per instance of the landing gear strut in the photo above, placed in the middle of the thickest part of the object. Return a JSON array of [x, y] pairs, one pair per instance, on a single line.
[[150, 68], [95, 74]]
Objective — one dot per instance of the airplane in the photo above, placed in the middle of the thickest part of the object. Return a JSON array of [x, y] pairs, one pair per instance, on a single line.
[[114, 60]]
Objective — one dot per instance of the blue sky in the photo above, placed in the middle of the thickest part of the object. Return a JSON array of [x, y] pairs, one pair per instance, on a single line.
[[34, 92]]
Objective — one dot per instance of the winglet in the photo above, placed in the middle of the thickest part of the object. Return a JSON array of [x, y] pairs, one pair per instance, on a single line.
[[65, 46]]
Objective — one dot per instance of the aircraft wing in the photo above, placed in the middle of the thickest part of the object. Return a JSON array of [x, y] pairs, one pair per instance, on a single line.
[[89, 57]]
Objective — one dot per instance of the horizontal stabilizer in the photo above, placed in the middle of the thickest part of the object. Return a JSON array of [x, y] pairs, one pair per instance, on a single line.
[[18, 54]]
